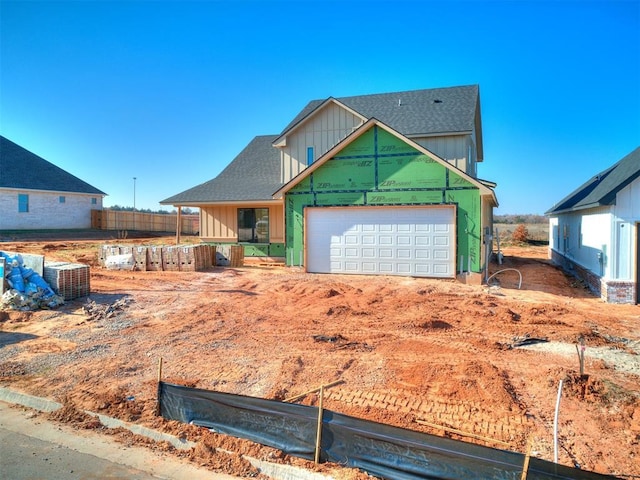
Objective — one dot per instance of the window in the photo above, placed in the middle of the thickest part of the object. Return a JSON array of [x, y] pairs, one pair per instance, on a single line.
[[580, 235], [23, 203], [253, 225], [309, 156], [61, 199], [94, 201]]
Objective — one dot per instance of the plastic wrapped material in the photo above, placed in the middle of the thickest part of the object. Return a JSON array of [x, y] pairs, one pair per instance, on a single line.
[[120, 262], [28, 290]]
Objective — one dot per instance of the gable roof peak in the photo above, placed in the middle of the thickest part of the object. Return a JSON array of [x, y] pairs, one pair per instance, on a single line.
[[602, 188], [24, 170], [430, 111]]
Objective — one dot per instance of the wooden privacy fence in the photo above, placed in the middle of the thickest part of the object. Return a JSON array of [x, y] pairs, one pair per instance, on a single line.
[[148, 222]]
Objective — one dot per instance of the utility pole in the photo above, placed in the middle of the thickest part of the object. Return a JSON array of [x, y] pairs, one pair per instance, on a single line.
[[134, 203]]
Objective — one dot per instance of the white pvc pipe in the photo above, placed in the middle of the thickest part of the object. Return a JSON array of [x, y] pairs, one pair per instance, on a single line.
[[505, 270], [555, 424]]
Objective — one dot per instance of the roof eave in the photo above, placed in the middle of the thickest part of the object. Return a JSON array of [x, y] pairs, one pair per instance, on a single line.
[[458, 133], [196, 203], [576, 208], [281, 141], [99, 193]]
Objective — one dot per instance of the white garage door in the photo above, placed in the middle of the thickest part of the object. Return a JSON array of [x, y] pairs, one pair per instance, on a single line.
[[410, 241]]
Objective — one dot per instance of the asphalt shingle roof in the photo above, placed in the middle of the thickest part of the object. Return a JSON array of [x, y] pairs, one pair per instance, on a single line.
[[601, 189], [429, 111], [22, 169], [253, 175]]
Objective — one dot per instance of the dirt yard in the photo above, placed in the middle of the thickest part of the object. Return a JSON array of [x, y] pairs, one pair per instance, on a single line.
[[428, 355]]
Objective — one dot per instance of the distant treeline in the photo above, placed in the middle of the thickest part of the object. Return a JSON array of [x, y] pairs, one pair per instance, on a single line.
[[519, 219], [185, 210]]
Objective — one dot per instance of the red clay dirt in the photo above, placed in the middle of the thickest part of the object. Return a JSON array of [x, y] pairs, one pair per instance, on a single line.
[[424, 354]]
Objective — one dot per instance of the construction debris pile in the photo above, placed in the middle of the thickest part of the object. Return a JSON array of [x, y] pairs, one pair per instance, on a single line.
[[96, 311], [27, 289]]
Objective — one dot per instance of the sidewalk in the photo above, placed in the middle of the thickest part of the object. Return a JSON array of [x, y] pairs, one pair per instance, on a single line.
[[26, 422], [22, 421]]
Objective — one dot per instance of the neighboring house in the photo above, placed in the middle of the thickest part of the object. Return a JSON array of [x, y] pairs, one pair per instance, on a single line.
[[36, 194], [373, 184], [595, 231]]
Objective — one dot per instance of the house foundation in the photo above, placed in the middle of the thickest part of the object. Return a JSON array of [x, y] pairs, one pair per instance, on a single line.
[[611, 291]]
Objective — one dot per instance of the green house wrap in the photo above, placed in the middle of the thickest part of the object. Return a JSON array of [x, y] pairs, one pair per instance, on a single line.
[[391, 207]]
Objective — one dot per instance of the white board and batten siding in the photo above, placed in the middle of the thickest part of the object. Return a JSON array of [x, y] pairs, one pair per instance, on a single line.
[[404, 241], [458, 150], [322, 132]]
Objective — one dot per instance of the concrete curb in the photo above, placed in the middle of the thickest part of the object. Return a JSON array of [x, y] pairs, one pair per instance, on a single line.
[[273, 470]]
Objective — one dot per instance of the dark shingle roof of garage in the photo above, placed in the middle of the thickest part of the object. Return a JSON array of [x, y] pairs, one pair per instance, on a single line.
[[415, 112], [21, 169], [602, 189], [253, 175]]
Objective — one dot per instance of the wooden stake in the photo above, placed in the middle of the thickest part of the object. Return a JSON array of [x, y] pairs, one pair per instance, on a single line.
[[580, 351], [460, 432], [525, 467], [319, 431], [302, 395], [159, 380]]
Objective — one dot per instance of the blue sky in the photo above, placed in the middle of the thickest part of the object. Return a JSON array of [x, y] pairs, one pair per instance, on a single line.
[[170, 92]]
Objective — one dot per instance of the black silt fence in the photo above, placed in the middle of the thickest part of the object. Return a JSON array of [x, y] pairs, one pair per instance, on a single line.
[[381, 450]]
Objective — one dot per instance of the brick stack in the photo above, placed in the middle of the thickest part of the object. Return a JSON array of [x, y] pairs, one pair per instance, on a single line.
[[140, 258], [193, 258], [154, 258], [107, 251], [170, 259], [69, 280], [188, 258]]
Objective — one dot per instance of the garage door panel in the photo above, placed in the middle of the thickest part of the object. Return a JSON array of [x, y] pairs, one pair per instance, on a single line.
[[441, 241], [417, 241], [386, 268], [423, 270], [368, 253], [441, 254], [440, 269], [369, 267], [422, 254], [368, 240]]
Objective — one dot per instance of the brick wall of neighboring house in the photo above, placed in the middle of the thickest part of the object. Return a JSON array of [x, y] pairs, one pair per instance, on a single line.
[[612, 291], [47, 210]]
